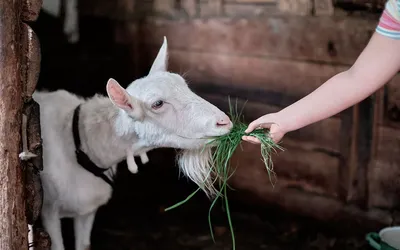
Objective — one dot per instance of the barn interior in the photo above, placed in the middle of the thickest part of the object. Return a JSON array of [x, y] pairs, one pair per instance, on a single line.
[[338, 179]]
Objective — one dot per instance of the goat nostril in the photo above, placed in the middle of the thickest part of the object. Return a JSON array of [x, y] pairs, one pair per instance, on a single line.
[[223, 122]]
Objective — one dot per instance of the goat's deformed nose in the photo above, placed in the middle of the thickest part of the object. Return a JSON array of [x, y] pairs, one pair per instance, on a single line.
[[224, 121]]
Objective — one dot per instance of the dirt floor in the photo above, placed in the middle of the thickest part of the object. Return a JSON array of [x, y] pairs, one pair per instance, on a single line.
[[183, 230]]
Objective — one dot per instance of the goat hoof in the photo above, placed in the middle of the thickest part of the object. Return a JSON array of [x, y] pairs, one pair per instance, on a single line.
[[144, 158]]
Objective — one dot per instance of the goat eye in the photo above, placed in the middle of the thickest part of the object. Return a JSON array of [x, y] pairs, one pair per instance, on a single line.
[[157, 104]]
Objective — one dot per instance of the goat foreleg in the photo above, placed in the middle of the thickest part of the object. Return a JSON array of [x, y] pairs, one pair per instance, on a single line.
[[83, 228], [144, 158], [52, 224], [71, 25], [130, 160]]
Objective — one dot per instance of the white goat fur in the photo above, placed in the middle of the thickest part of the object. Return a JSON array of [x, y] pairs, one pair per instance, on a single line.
[[112, 127]]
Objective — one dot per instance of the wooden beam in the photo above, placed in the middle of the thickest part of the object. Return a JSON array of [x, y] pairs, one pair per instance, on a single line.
[[347, 164], [333, 40], [364, 149], [296, 7], [288, 77], [13, 223]]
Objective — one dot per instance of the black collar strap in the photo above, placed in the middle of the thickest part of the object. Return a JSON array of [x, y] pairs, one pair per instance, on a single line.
[[82, 158]]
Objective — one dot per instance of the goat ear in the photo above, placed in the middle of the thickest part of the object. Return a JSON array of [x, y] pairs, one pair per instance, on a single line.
[[161, 61], [118, 95]]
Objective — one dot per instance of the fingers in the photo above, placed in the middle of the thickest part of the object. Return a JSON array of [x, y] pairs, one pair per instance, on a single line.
[[251, 139], [254, 124], [258, 124]]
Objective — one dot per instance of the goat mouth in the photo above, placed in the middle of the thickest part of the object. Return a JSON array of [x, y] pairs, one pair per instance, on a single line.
[[194, 138], [198, 138]]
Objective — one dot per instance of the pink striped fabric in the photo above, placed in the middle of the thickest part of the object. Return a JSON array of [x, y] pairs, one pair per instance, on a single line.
[[389, 23]]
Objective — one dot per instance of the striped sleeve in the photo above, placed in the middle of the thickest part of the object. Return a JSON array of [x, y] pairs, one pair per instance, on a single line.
[[389, 23]]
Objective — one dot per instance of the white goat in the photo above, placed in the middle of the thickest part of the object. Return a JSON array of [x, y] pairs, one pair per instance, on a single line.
[[156, 111]]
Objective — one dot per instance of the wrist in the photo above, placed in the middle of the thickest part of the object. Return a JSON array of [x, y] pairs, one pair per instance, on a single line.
[[283, 123]]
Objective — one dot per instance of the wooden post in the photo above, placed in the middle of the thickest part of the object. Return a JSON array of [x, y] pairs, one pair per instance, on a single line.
[[13, 224]]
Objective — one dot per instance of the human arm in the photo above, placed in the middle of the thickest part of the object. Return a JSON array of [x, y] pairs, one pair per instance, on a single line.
[[376, 65]]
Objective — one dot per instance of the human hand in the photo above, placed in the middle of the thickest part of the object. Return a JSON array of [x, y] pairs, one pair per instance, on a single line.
[[270, 121]]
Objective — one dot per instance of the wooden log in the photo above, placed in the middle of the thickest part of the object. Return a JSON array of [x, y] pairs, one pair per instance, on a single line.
[[30, 65], [13, 224], [31, 10], [34, 138], [33, 184], [33, 194], [297, 7], [284, 37]]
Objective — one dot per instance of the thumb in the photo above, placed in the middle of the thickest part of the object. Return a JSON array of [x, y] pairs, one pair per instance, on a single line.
[[260, 122]]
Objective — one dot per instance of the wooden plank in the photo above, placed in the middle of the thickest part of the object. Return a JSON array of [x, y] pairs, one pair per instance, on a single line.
[[324, 209], [253, 73], [384, 173], [391, 116], [347, 165], [323, 7], [332, 40], [235, 10], [190, 7], [375, 5], [297, 7], [296, 167], [364, 150], [164, 6], [252, 1], [211, 8], [13, 224]]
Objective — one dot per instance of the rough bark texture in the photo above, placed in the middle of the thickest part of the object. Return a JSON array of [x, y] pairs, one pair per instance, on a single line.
[[13, 226], [33, 185], [31, 9], [42, 240], [33, 134], [30, 65]]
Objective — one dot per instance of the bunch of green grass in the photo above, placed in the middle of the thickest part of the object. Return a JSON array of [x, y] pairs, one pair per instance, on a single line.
[[225, 146]]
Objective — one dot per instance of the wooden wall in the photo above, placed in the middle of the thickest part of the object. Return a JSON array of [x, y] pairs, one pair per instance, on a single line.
[[271, 53]]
